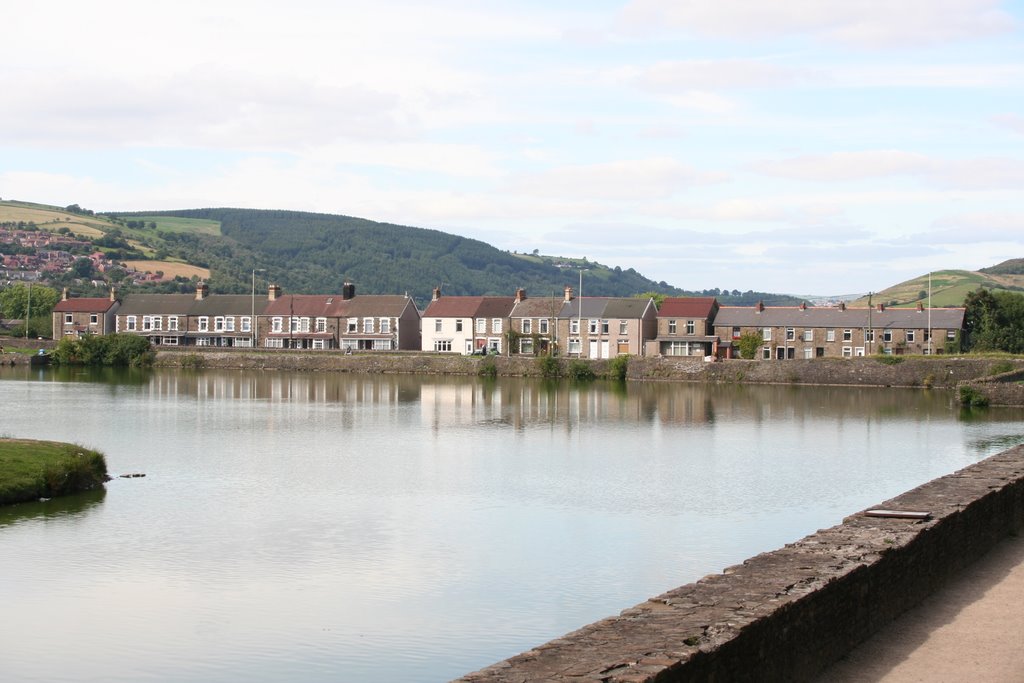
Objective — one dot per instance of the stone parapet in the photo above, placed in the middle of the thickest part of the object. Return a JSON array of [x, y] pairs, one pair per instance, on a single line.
[[788, 614]]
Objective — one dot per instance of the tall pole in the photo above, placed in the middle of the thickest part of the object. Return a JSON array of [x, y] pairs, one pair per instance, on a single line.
[[28, 308], [579, 315], [930, 314], [252, 320]]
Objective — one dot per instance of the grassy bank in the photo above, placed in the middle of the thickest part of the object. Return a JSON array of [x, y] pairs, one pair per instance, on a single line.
[[44, 469]]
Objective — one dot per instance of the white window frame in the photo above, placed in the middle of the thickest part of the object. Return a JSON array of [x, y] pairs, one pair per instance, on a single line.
[[68, 318], [574, 326], [671, 326], [246, 325], [94, 319], [384, 327], [496, 325], [352, 325], [766, 334], [542, 326], [808, 335], [204, 324], [321, 325], [277, 325], [526, 325], [911, 336], [437, 325], [481, 325], [691, 327], [830, 335], [443, 345], [368, 326], [172, 323], [131, 323]]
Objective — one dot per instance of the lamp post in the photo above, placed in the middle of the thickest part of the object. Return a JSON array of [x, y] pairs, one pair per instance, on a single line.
[[579, 314], [252, 320]]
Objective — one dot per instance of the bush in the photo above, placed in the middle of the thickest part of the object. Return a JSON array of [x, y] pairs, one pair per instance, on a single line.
[[749, 343], [617, 368], [123, 350], [969, 396], [888, 360], [549, 367], [1001, 367], [580, 370], [488, 368]]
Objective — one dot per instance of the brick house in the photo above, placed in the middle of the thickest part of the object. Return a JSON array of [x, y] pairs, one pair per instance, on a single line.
[[686, 327], [78, 317]]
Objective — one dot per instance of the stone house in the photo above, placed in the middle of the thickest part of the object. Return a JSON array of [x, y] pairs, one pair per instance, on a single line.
[[686, 327], [83, 316], [790, 332], [465, 324], [605, 327]]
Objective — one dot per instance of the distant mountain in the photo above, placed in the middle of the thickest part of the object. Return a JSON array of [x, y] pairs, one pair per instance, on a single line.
[[317, 253], [951, 287]]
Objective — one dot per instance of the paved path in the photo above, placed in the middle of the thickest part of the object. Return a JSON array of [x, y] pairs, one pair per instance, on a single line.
[[970, 632]]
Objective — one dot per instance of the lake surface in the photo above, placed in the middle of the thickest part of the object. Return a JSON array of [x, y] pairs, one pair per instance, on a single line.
[[308, 527]]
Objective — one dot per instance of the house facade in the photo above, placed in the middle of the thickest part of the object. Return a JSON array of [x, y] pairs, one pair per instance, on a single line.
[[79, 317], [686, 327], [534, 324], [806, 332], [465, 324], [605, 327]]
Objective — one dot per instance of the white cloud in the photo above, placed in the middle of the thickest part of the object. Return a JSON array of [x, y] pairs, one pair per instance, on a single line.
[[706, 74], [864, 23], [1014, 122], [618, 180]]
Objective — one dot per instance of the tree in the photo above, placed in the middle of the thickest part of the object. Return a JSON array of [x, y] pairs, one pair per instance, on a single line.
[[83, 268], [14, 300], [993, 321], [748, 344]]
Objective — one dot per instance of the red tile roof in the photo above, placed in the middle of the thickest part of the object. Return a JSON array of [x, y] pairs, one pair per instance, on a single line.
[[96, 305], [687, 307]]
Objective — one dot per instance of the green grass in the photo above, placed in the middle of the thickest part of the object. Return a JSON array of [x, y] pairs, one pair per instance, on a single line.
[[44, 469], [175, 224]]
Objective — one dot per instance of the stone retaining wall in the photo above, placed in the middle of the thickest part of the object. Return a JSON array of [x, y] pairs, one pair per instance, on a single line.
[[788, 614], [1006, 389], [938, 372]]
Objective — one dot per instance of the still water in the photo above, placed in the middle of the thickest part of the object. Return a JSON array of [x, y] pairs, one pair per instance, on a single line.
[[306, 527]]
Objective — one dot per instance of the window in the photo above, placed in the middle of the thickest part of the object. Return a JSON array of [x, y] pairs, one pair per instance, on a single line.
[[229, 323], [68, 319], [887, 336], [847, 335], [690, 327], [950, 335], [910, 336], [318, 343], [368, 325], [830, 335], [869, 335], [671, 326], [321, 326], [169, 341], [736, 333], [458, 326], [574, 326], [766, 334], [808, 335], [847, 352], [593, 326], [172, 323], [623, 327], [790, 334], [276, 324], [130, 323], [94, 319], [542, 326], [526, 345], [766, 353], [202, 341], [204, 324], [443, 345], [481, 325], [147, 323], [574, 346], [273, 343], [604, 327], [527, 326], [385, 326], [809, 352], [437, 325], [496, 325], [352, 325], [218, 324]]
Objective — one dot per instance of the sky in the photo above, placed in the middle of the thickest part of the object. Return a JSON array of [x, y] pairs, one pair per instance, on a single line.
[[814, 147]]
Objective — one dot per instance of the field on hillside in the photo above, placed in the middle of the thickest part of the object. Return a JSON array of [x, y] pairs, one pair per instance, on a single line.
[[175, 224], [948, 288], [52, 219], [170, 269]]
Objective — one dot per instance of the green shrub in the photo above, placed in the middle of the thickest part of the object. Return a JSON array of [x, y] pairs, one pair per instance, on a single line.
[[580, 370], [617, 368], [549, 367], [122, 350], [889, 360], [488, 368], [192, 360], [1001, 367], [969, 396]]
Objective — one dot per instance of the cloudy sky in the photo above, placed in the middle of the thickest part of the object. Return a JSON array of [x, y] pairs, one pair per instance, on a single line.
[[801, 146]]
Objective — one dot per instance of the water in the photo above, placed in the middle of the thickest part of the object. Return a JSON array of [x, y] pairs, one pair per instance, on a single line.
[[305, 527]]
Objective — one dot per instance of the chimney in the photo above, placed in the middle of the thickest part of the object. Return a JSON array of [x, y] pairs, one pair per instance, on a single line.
[[760, 307], [880, 307], [568, 293], [436, 294], [842, 305], [348, 291], [113, 294], [920, 306], [64, 294], [273, 292], [803, 305], [202, 291], [520, 294]]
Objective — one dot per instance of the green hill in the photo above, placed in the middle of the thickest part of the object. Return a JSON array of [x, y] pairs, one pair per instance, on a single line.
[[950, 287]]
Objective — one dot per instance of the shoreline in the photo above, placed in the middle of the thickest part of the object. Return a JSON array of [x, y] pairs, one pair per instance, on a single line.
[[33, 469]]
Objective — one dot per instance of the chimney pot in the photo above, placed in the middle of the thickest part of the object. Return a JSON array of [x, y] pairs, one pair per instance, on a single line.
[[436, 294], [568, 293], [273, 292], [520, 294], [202, 290]]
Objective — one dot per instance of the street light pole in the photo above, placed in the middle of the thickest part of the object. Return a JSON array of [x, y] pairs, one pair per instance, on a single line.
[[252, 320]]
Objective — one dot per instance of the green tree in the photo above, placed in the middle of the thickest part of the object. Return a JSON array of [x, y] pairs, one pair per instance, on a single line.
[[993, 321], [749, 343], [14, 300]]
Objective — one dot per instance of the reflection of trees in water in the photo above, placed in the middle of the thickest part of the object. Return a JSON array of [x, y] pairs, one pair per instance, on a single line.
[[75, 507]]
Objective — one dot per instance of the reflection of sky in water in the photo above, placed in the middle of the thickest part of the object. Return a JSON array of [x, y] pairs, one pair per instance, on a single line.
[[329, 527]]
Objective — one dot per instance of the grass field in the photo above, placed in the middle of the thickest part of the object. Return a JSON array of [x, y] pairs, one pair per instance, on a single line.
[[170, 269], [43, 469], [948, 288], [174, 224], [52, 218]]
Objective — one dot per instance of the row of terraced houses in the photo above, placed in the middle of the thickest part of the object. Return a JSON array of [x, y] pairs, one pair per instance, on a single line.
[[584, 327]]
